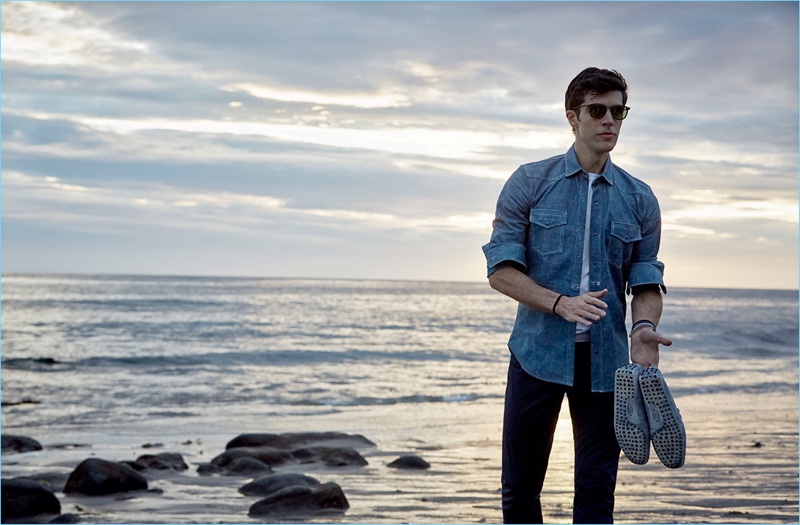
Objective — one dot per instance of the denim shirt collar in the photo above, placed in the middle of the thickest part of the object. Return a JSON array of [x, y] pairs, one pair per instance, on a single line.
[[573, 167]]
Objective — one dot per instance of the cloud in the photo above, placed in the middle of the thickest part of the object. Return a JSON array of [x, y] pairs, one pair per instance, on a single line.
[[59, 34], [171, 207], [386, 123], [713, 206], [708, 213], [437, 143], [357, 100]]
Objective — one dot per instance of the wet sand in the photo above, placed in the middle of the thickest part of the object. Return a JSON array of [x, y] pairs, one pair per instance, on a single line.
[[741, 467]]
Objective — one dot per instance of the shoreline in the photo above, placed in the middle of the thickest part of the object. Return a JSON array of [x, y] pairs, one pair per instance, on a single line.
[[741, 467]]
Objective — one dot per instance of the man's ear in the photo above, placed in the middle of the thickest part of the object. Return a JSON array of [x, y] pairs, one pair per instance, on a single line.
[[572, 118]]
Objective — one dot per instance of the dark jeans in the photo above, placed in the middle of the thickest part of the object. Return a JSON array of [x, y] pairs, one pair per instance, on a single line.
[[531, 414]]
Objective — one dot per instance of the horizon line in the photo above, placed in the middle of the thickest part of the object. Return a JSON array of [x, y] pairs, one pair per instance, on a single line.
[[112, 275]]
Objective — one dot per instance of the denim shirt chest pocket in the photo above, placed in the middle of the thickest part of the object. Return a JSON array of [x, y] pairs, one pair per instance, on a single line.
[[620, 241], [547, 230]]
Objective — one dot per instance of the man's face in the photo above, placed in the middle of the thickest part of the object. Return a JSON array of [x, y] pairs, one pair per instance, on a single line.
[[597, 135]]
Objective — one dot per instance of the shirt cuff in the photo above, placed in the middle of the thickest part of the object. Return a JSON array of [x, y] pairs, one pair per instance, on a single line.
[[646, 274], [636, 290], [499, 253]]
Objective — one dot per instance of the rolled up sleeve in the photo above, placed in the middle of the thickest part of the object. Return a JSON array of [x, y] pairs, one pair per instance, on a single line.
[[645, 267], [510, 225], [496, 254], [647, 273]]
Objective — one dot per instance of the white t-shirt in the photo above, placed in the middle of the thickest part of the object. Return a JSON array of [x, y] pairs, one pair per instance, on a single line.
[[582, 331]]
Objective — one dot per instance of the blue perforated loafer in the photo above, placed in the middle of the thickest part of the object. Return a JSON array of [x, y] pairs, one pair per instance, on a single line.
[[630, 415], [666, 425]]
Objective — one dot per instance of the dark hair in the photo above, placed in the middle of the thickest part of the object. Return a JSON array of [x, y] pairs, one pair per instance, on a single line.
[[594, 80]]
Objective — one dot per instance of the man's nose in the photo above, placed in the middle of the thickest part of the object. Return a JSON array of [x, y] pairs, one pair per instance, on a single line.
[[607, 118]]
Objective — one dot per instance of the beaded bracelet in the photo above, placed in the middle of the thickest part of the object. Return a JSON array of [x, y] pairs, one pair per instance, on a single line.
[[556, 303], [639, 324]]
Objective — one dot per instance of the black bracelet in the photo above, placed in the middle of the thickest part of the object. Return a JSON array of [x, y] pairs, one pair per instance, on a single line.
[[556, 303], [641, 323]]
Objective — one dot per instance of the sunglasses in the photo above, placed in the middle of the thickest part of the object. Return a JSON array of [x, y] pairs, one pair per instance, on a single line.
[[598, 111]]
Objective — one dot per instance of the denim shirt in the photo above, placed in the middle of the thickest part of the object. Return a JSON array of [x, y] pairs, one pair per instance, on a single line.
[[539, 225]]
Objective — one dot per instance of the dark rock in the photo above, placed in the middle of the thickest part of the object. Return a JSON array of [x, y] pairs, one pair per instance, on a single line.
[[270, 456], [12, 443], [301, 500], [409, 462], [98, 477], [53, 481], [247, 466], [135, 466], [207, 469], [305, 455], [294, 440], [162, 461], [66, 446], [330, 456], [23, 499], [266, 485]]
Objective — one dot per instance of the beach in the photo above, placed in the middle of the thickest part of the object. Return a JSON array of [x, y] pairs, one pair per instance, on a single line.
[[727, 477], [144, 365]]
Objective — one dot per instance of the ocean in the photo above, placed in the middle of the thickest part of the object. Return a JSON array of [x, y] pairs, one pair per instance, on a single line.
[[104, 365]]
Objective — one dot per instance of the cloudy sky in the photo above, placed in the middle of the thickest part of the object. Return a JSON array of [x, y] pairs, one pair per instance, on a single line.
[[370, 140]]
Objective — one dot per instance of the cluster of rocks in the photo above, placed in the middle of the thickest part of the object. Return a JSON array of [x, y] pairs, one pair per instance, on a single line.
[[34, 500]]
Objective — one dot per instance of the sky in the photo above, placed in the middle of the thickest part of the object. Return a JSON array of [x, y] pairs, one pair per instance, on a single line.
[[370, 140]]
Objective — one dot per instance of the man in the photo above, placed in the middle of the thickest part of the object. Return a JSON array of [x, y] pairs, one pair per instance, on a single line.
[[572, 234]]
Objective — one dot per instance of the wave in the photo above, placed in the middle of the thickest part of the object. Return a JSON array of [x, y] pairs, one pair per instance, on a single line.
[[402, 400], [771, 387], [239, 358], [121, 306], [172, 414]]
